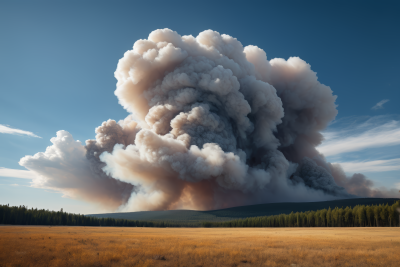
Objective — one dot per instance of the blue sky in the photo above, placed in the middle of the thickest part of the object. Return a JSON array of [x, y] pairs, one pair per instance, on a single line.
[[57, 63]]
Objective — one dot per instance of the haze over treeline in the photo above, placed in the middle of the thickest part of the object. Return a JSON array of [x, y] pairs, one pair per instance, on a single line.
[[212, 124]]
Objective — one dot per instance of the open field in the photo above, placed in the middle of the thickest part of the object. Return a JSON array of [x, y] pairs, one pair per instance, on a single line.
[[113, 246]]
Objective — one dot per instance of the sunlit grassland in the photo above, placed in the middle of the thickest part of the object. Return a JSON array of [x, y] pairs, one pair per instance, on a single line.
[[114, 246]]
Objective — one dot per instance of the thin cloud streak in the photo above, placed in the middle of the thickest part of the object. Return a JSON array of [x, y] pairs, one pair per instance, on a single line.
[[387, 134], [8, 130], [371, 166], [379, 105], [5, 172]]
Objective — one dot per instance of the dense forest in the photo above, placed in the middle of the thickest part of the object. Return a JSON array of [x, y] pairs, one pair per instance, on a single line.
[[359, 216], [23, 216]]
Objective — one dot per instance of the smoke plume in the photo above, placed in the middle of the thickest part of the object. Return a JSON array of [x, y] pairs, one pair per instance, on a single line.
[[358, 184], [213, 124]]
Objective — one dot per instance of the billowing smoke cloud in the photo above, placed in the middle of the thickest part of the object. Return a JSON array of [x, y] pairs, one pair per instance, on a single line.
[[214, 124], [358, 184], [66, 166]]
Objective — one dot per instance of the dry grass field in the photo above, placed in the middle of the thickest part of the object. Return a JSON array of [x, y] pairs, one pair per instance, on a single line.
[[107, 246]]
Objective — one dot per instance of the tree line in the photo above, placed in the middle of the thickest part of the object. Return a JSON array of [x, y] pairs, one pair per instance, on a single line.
[[23, 216], [359, 216]]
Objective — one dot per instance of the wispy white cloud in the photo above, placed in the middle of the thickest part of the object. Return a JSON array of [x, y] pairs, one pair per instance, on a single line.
[[8, 130], [371, 166], [379, 105], [344, 141], [5, 172]]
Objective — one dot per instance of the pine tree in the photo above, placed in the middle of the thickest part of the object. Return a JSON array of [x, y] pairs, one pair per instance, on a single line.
[[376, 214], [329, 217], [361, 215], [317, 218], [369, 212], [396, 207], [384, 214], [391, 214], [322, 215], [348, 214], [335, 217]]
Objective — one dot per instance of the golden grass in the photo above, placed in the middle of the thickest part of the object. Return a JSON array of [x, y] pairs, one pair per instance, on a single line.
[[112, 246]]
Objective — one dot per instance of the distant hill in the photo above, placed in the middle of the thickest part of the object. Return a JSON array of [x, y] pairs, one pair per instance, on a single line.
[[243, 211]]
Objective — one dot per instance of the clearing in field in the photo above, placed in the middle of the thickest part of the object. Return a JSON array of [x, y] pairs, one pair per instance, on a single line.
[[108, 246]]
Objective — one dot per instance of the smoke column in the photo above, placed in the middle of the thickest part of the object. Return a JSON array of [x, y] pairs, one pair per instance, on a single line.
[[213, 124]]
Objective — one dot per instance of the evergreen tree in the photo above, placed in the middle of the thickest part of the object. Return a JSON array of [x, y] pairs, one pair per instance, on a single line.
[[376, 214], [384, 214], [329, 217], [361, 215], [369, 213], [322, 215]]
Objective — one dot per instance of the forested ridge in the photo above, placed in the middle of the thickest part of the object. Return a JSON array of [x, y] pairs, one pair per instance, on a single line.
[[359, 216], [23, 216]]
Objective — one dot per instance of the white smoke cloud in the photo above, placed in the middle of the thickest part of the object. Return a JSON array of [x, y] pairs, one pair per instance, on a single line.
[[64, 167], [213, 124]]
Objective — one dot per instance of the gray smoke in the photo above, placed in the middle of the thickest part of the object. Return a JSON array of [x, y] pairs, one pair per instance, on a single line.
[[213, 124], [64, 167], [358, 184]]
